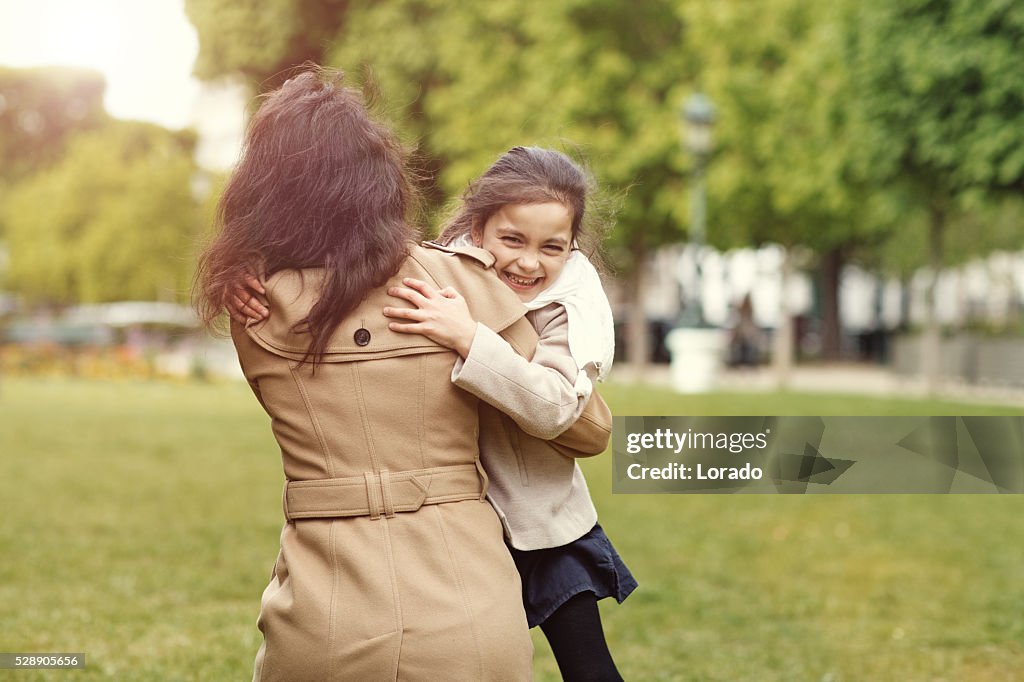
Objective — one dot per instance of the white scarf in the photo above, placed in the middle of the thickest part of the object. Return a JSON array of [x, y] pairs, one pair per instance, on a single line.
[[591, 326]]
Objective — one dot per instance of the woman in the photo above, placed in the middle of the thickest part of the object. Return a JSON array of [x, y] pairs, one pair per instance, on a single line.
[[392, 565]]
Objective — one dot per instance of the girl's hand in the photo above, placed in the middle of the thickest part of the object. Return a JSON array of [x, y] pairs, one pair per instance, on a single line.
[[441, 315], [244, 300]]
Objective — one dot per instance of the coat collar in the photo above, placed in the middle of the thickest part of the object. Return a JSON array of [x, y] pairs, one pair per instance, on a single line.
[[292, 293]]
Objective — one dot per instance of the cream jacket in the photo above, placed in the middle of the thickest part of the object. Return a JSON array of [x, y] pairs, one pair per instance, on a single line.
[[536, 486]]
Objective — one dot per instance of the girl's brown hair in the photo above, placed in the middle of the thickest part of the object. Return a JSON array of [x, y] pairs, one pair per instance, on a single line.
[[528, 175], [320, 184]]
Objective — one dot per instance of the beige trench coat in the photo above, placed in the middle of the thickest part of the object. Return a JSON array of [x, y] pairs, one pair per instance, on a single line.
[[392, 565]]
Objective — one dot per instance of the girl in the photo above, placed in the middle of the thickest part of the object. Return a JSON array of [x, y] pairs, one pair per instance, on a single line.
[[528, 211]]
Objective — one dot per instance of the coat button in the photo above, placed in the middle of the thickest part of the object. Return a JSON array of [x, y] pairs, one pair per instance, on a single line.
[[361, 337]]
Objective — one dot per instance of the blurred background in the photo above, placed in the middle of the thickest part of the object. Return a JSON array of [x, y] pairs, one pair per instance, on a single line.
[[816, 208], [823, 182]]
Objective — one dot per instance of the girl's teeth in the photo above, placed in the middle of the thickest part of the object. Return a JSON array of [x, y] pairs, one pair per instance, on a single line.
[[521, 281]]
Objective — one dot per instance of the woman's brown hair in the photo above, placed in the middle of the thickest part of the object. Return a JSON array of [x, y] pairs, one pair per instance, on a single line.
[[319, 184]]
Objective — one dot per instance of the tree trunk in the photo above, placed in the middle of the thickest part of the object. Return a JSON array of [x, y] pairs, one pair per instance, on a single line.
[[905, 295], [637, 340], [782, 345], [931, 339], [831, 333]]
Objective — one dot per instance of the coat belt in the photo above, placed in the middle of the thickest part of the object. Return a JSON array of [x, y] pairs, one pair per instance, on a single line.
[[383, 493]]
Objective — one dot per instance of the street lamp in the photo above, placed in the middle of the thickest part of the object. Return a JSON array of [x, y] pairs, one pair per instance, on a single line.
[[698, 119], [696, 347]]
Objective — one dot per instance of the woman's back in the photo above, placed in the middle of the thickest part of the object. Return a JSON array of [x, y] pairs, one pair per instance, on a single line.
[[392, 566]]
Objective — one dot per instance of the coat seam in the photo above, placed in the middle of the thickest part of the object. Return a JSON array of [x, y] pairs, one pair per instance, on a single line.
[[462, 592], [512, 432], [399, 624], [421, 409], [324, 449], [334, 594], [363, 419]]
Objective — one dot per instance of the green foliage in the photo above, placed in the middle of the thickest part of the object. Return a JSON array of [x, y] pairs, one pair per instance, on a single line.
[[843, 124], [838, 122], [40, 109], [260, 39], [941, 95], [940, 119], [777, 72], [470, 80], [115, 219], [561, 74]]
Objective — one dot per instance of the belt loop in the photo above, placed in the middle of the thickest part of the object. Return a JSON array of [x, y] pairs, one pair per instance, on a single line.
[[284, 501], [385, 489], [485, 482], [372, 497]]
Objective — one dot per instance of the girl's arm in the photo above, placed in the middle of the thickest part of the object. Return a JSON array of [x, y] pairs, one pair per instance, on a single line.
[[589, 435], [544, 396]]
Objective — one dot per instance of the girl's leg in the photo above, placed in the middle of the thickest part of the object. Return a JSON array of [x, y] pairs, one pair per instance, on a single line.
[[577, 639]]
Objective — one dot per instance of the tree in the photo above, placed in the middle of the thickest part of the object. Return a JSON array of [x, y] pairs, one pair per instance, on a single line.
[[40, 109], [605, 76], [784, 170], [941, 111], [113, 219], [261, 40]]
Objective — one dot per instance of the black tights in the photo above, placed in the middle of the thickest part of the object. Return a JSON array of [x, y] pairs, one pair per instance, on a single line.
[[577, 640]]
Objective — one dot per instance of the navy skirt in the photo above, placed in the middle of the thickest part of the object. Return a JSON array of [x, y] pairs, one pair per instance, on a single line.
[[552, 576]]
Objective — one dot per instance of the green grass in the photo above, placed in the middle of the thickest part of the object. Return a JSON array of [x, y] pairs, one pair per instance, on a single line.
[[140, 523]]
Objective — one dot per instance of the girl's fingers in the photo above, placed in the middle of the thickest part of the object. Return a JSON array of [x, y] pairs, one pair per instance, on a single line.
[[253, 283], [245, 307], [261, 303], [408, 328], [419, 285], [236, 309], [405, 313], [448, 292], [414, 297], [253, 300], [237, 305]]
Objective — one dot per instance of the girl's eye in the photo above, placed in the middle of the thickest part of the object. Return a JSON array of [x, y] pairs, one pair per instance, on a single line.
[[554, 250], [510, 240]]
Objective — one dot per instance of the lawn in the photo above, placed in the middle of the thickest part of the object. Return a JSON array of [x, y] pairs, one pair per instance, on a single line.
[[140, 524]]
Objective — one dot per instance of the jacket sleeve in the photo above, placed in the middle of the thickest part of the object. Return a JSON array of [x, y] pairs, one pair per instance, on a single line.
[[544, 396], [589, 435]]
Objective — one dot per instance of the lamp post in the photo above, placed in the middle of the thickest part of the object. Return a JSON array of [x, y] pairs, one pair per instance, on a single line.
[[698, 119], [696, 347]]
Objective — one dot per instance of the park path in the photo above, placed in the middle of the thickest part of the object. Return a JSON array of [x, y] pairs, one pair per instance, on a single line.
[[856, 378]]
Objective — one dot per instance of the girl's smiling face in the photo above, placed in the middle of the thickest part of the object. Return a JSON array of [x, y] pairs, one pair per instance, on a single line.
[[530, 244]]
